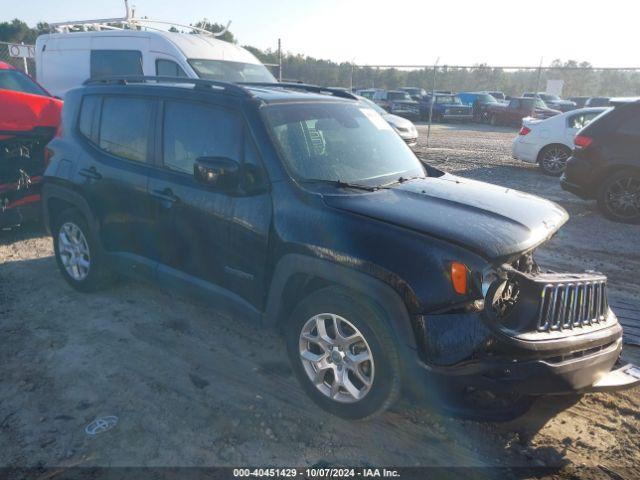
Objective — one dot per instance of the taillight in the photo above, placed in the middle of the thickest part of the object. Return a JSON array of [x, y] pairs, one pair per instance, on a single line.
[[582, 141], [459, 275], [524, 130]]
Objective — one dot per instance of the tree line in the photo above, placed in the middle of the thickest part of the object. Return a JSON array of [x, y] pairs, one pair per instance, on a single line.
[[580, 78]]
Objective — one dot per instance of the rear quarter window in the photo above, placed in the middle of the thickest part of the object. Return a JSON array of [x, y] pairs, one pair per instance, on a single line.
[[88, 119]]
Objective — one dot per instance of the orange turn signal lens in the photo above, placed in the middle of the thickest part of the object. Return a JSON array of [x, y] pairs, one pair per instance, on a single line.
[[459, 276]]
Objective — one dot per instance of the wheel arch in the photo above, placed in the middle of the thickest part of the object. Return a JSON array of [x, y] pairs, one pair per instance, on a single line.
[[56, 199], [296, 276]]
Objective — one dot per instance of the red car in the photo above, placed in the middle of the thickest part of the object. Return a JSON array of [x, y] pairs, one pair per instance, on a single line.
[[29, 118], [512, 113]]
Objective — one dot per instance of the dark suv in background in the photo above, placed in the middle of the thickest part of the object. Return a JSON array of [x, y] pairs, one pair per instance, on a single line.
[[301, 208], [605, 164]]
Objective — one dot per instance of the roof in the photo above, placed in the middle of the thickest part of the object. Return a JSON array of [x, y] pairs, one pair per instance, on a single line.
[[198, 46], [267, 92]]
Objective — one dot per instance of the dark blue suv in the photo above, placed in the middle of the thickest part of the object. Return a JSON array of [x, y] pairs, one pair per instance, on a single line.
[[298, 207]]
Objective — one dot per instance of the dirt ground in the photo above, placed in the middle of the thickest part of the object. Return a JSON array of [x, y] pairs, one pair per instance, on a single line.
[[192, 388]]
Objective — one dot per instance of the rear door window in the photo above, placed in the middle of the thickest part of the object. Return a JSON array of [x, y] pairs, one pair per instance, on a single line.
[[581, 120], [125, 127], [168, 68], [105, 63], [191, 131]]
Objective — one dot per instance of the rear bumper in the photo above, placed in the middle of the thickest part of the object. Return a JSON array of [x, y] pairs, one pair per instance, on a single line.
[[574, 188], [526, 152]]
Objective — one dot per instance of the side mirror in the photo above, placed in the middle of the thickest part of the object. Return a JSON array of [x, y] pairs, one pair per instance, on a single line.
[[217, 172]]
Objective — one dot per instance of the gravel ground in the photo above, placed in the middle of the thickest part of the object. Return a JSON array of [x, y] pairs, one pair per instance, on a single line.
[[192, 388]]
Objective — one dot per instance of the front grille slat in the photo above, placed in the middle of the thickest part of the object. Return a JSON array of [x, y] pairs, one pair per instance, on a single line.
[[572, 305]]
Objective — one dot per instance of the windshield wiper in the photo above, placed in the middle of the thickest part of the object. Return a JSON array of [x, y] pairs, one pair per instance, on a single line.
[[402, 180], [341, 184]]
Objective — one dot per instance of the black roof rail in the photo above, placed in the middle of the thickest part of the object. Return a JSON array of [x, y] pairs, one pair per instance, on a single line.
[[337, 92], [196, 82]]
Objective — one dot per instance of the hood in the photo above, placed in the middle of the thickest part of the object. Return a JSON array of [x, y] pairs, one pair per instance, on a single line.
[[398, 122], [25, 111], [493, 221]]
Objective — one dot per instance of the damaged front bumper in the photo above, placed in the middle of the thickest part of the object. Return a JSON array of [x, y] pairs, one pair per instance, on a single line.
[[537, 334], [22, 163]]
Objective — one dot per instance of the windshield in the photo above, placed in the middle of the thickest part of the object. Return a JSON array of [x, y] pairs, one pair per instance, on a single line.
[[340, 142], [373, 105], [223, 70], [528, 103], [486, 98], [448, 99], [398, 96], [19, 82]]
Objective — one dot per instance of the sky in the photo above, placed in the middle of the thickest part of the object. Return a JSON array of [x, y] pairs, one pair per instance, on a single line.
[[415, 32]]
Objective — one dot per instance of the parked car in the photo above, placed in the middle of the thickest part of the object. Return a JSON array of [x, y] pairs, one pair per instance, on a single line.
[[65, 60], [405, 128], [416, 93], [605, 164], [549, 142], [513, 112], [367, 93], [446, 108], [307, 212], [29, 117], [478, 101], [500, 96], [553, 101], [580, 102], [397, 102], [598, 102]]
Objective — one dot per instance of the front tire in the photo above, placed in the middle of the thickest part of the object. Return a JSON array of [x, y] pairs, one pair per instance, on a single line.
[[619, 197], [344, 354], [78, 253]]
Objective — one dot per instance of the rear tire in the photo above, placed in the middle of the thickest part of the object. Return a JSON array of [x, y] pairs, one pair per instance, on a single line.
[[78, 253], [619, 197], [552, 159], [322, 359]]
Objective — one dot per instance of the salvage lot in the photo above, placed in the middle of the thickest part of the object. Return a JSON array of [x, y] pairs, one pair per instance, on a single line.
[[192, 388]]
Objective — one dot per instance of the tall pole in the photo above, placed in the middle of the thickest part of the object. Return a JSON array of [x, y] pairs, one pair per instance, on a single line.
[[536, 96], [433, 98], [279, 60]]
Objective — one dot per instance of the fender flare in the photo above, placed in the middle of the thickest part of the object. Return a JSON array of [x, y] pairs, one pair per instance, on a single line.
[[387, 299], [53, 191]]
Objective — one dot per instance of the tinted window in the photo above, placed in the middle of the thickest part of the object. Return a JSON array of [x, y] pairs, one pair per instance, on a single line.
[[169, 68], [88, 115], [191, 131], [125, 127], [19, 82], [631, 123], [231, 71], [105, 63]]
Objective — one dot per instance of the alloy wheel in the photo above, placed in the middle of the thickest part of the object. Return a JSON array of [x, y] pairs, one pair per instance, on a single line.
[[74, 252], [336, 357], [554, 160], [623, 197]]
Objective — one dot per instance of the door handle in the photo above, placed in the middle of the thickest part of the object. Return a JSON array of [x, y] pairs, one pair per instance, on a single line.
[[166, 195], [90, 173]]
